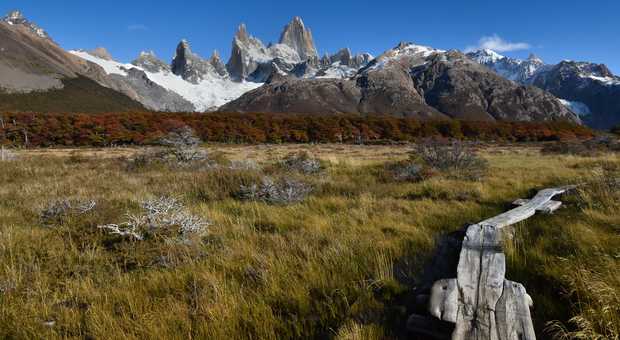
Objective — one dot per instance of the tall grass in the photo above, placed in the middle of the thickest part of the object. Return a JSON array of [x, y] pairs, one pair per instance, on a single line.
[[341, 264]]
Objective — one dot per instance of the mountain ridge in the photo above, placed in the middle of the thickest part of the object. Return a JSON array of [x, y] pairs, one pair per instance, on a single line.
[[409, 80]]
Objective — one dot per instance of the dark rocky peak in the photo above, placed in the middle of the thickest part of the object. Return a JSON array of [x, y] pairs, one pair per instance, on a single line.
[[217, 63], [190, 66], [343, 56], [299, 38], [17, 18], [584, 68], [150, 62], [247, 52]]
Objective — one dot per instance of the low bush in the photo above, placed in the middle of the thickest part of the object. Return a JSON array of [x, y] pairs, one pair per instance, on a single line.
[[55, 211], [302, 162], [407, 171], [282, 191], [7, 155], [181, 151], [163, 217], [455, 159]]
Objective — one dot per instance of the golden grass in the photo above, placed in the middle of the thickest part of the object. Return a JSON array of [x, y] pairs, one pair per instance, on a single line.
[[341, 264]]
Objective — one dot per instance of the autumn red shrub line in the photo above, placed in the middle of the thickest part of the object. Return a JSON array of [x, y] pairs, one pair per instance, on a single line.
[[40, 130]]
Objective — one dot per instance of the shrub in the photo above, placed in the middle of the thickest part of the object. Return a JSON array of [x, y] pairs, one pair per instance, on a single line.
[[181, 151], [302, 162], [180, 138], [406, 171], [164, 217], [456, 159], [57, 210], [7, 155], [282, 191], [246, 164]]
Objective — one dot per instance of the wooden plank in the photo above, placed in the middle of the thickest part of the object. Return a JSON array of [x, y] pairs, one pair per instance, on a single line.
[[488, 306], [549, 207], [444, 300], [512, 313], [520, 201], [527, 210], [480, 281]]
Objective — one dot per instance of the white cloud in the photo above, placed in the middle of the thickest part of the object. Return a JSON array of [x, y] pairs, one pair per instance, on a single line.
[[137, 27], [497, 44]]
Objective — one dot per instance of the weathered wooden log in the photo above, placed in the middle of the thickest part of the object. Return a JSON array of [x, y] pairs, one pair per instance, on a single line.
[[526, 210], [482, 303], [512, 313], [444, 300]]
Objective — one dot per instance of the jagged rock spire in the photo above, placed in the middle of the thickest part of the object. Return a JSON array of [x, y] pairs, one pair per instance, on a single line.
[[17, 18], [246, 54], [190, 66], [299, 38], [149, 61], [217, 63]]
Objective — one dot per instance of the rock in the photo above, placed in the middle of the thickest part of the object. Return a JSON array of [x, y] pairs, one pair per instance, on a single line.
[[414, 81], [217, 64], [593, 85], [247, 52], [152, 95], [17, 18], [101, 52], [150, 62], [300, 39], [190, 66]]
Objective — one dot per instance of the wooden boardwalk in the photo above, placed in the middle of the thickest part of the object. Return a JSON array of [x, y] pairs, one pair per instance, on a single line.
[[480, 301]]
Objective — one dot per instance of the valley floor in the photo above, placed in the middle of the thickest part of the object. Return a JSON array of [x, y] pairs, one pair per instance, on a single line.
[[344, 263]]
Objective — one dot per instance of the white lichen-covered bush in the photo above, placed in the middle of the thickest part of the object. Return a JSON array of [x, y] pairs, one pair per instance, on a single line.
[[6, 155], [56, 210], [246, 164], [163, 216], [302, 162], [181, 150], [281, 191]]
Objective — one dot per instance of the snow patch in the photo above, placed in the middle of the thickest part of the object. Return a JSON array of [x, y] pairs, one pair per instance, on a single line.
[[607, 81], [210, 93], [403, 50], [579, 108]]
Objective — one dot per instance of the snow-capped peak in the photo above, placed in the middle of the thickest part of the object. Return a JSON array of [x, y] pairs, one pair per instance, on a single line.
[[403, 50], [535, 59], [484, 56], [518, 70]]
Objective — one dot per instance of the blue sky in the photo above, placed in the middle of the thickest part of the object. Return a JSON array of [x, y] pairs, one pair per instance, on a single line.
[[553, 29]]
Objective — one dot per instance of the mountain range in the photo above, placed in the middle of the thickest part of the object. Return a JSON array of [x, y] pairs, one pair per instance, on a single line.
[[290, 77], [588, 89]]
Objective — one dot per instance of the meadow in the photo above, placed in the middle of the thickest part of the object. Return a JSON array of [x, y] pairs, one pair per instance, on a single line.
[[345, 260]]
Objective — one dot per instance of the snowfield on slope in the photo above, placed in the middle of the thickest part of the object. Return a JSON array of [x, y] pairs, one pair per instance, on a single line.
[[212, 92], [579, 108]]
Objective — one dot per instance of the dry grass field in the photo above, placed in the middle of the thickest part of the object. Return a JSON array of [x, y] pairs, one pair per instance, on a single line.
[[343, 262]]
